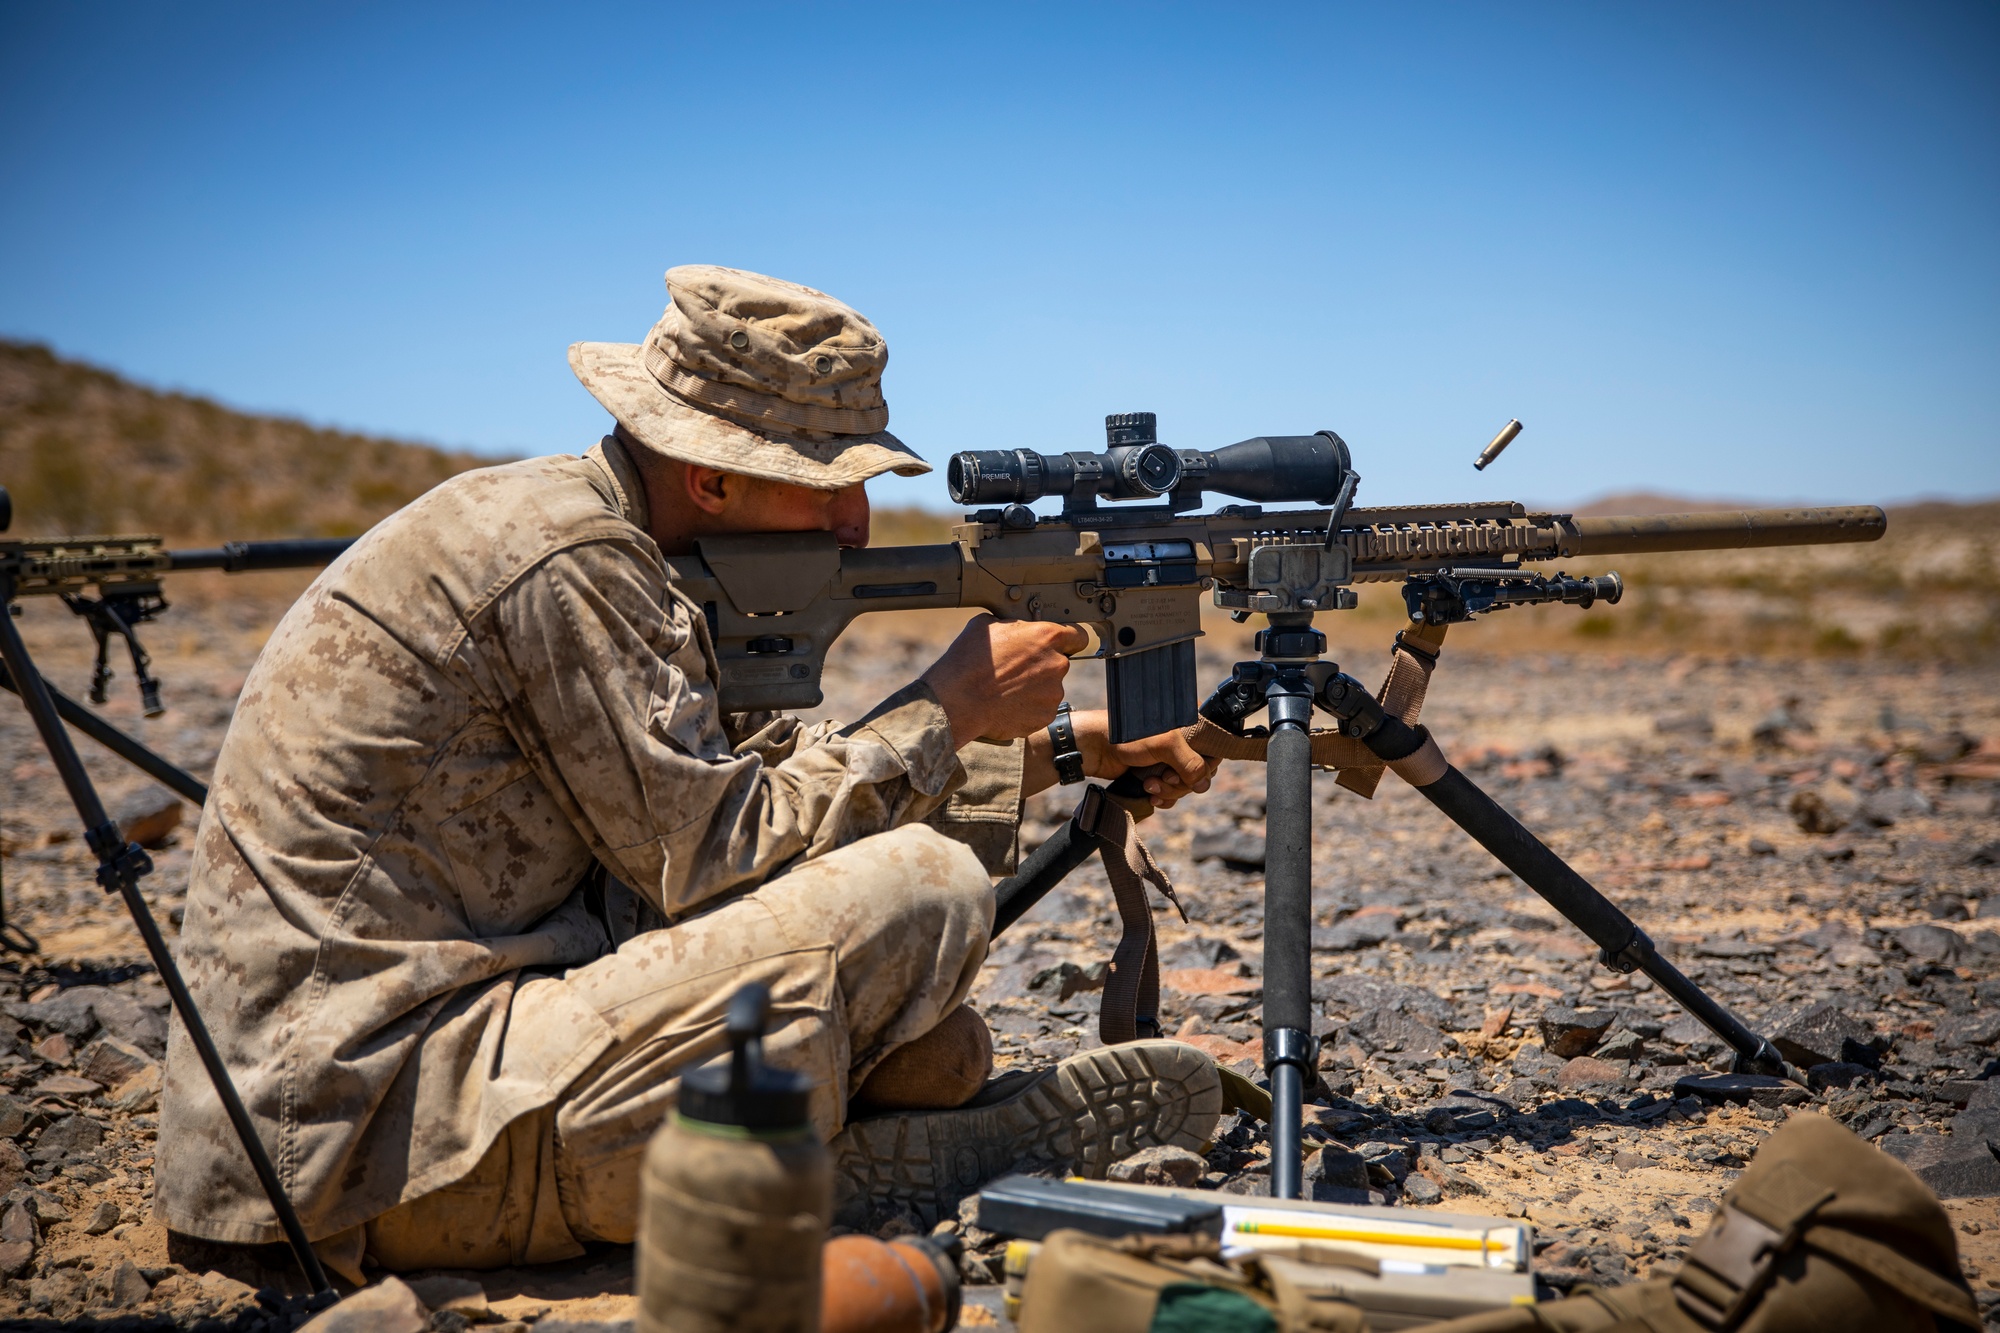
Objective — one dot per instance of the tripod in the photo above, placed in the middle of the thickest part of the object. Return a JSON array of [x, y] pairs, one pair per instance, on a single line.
[[122, 864], [1288, 680]]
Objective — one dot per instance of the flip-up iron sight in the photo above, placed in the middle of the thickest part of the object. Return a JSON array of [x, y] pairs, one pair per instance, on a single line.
[[1136, 466]]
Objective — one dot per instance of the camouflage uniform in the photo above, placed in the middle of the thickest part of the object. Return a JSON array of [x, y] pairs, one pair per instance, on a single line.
[[432, 1006]]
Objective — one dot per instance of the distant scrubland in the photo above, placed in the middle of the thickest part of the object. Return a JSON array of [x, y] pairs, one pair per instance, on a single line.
[[85, 450]]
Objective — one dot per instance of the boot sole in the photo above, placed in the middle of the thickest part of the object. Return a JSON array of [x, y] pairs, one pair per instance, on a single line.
[[1093, 1109]]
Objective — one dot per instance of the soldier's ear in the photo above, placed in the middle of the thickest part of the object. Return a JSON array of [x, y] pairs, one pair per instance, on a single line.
[[709, 489]]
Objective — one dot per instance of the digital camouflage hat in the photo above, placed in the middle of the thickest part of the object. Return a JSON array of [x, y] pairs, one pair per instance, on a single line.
[[753, 375]]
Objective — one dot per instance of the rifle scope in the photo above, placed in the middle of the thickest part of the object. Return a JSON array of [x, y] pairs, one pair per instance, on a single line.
[[1135, 466]]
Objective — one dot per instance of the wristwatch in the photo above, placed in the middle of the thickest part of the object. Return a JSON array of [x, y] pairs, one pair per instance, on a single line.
[[1068, 759]]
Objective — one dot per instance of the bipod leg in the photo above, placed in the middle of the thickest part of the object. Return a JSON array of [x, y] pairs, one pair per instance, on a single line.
[[1622, 945], [120, 866], [1288, 1043]]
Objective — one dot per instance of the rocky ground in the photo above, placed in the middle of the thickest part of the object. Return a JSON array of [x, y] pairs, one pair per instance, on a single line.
[[1814, 841]]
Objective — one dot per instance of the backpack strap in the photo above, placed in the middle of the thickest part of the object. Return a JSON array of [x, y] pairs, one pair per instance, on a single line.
[[1729, 1267]]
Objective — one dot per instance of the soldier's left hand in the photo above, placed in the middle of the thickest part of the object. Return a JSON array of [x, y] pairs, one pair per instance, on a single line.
[[1171, 767]]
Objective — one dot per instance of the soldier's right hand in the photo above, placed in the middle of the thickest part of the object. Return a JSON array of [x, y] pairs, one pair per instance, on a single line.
[[1002, 679]]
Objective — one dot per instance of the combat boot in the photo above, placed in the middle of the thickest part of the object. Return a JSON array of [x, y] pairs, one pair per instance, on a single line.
[[1093, 1109]]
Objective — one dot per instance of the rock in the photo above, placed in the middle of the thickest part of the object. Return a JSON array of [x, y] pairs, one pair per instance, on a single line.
[[141, 1092], [1463, 1111], [388, 1307], [1160, 1166], [13, 1166], [1631, 1161], [1388, 1030], [1066, 979], [1684, 724], [1817, 1034], [70, 1139], [66, 1012], [1568, 1032], [102, 1218], [1954, 1168], [1988, 855], [1391, 1158], [1199, 951], [1981, 1027], [1585, 1071], [81, 1010], [1691, 1032], [1932, 943], [111, 1061], [1760, 1089], [122, 1286], [1621, 1043], [1885, 806], [18, 1238], [1338, 1167], [1837, 1074], [15, 1117], [1229, 844], [1355, 994], [1448, 1179], [1422, 1189], [1825, 809], [149, 817], [1356, 932]]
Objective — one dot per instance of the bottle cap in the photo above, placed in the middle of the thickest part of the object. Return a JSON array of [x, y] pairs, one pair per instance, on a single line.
[[740, 1089]]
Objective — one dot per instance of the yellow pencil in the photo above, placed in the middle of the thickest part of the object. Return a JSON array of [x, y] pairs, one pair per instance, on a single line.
[[1480, 1243]]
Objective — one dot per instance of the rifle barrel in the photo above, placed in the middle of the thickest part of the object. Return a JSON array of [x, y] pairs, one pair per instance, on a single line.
[[240, 557], [1722, 530]]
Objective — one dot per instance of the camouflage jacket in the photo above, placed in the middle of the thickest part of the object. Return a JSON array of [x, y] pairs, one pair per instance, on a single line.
[[490, 693]]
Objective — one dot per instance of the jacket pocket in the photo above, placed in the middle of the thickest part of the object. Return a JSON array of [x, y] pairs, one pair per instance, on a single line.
[[514, 855]]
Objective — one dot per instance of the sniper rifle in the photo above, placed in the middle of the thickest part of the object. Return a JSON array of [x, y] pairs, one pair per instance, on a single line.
[[1136, 574]]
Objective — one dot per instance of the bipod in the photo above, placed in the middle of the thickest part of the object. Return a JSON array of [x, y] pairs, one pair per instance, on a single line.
[[120, 866]]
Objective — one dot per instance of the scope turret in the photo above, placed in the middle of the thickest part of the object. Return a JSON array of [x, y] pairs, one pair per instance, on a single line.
[[1135, 466]]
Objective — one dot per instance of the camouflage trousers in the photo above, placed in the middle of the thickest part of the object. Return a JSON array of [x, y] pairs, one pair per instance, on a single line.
[[863, 949]]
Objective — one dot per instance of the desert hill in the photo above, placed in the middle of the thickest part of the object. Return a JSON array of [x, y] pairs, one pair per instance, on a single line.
[[85, 450]]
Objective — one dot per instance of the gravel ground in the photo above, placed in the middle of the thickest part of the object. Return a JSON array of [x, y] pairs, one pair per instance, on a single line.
[[1813, 841]]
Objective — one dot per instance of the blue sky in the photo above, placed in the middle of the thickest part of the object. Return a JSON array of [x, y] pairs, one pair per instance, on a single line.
[[1722, 250]]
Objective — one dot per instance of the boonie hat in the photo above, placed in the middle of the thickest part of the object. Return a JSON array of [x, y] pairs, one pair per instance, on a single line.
[[753, 375]]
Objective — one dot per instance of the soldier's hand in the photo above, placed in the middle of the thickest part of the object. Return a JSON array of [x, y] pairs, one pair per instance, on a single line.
[[1002, 679], [1168, 765]]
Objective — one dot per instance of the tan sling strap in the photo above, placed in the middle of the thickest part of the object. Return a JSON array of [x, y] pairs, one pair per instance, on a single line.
[[1410, 665], [1131, 1005]]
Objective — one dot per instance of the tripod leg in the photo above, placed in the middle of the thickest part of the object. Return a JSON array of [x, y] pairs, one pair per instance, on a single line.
[[120, 866], [1288, 1044], [1624, 946], [149, 762]]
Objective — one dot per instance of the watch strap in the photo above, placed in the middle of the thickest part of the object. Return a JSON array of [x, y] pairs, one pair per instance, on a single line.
[[1068, 759]]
